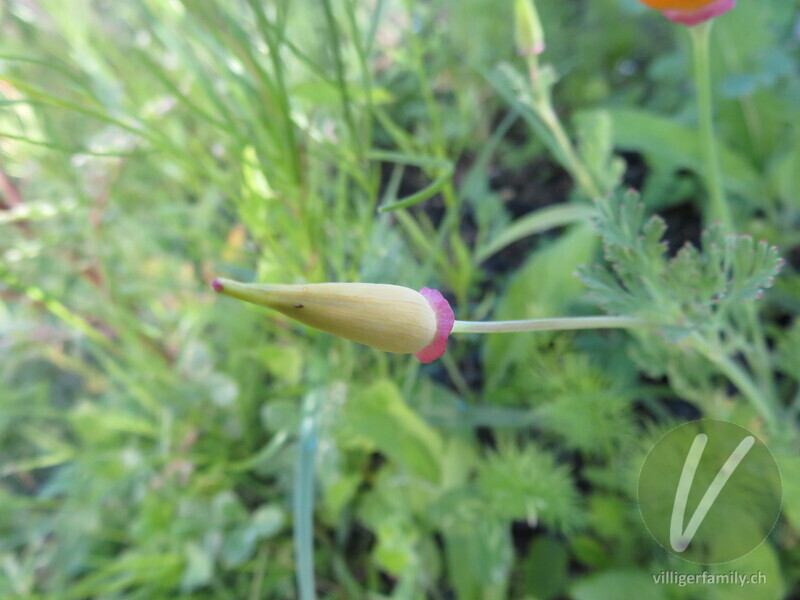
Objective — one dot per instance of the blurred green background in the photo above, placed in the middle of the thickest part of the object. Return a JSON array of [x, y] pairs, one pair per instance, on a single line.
[[157, 441]]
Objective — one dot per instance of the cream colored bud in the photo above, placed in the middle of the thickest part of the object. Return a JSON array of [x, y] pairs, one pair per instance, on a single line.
[[391, 318]]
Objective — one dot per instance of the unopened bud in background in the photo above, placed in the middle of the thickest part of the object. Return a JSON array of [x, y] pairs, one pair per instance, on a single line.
[[529, 35]]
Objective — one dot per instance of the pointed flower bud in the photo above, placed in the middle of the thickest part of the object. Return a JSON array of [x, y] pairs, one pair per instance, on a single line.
[[529, 33], [691, 12], [391, 318]]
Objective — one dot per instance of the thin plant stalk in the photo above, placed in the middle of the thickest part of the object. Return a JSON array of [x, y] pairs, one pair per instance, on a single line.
[[547, 114], [740, 378], [719, 208], [543, 106], [548, 324]]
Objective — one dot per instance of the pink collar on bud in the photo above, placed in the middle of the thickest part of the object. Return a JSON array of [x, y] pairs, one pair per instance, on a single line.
[[444, 325], [693, 17]]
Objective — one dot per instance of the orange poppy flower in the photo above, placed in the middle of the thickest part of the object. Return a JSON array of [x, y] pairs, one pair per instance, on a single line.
[[690, 12]]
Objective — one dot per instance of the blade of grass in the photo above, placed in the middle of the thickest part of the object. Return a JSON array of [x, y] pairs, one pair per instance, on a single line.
[[536, 222], [425, 162], [336, 49], [303, 500]]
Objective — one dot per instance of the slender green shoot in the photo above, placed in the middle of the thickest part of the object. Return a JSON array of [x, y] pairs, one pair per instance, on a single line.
[[718, 208]]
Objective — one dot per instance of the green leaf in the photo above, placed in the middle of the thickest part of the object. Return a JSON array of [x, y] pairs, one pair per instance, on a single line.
[[593, 421], [199, 567], [784, 176], [238, 544], [527, 484], [679, 145], [283, 362], [788, 355], [544, 571], [267, 521], [686, 293], [327, 93], [537, 221], [541, 288], [620, 585], [590, 551], [596, 147], [790, 473], [761, 562], [479, 561], [379, 415], [397, 544], [478, 548]]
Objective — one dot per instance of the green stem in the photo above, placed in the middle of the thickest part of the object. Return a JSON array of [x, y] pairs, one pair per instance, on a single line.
[[548, 324], [740, 378], [574, 163], [543, 106], [761, 360], [718, 208]]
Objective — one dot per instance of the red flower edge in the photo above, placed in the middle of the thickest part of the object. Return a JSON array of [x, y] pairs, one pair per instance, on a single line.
[[444, 325]]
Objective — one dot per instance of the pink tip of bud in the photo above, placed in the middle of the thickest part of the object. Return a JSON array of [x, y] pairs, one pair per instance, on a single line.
[[217, 285], [534, 50], [444, 325], [693, 17]]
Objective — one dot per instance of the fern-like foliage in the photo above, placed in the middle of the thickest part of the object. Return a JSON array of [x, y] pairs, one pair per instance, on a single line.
[[529, 484], [692, 291]]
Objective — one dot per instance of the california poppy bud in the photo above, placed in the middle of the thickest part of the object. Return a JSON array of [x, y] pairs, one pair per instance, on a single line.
[[529, 35], [691, 12], [391, 318]]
